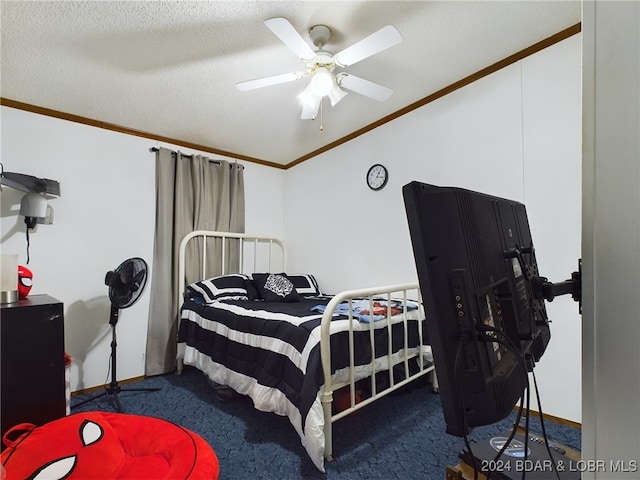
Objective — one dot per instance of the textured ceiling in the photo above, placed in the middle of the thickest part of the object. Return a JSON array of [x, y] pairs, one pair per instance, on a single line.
[[169, 68]]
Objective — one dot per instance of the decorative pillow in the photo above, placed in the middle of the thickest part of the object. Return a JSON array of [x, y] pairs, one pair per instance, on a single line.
[[224, 287], [252, 291], [306, 285], [274, 287]]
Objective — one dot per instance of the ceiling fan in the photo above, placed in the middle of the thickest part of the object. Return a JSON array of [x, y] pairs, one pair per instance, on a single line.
[[321, 65]]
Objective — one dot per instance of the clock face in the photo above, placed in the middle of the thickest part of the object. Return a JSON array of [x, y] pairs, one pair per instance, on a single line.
[[377, 177]]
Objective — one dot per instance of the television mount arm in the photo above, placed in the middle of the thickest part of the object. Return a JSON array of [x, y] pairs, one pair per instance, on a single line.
[[544, 289]]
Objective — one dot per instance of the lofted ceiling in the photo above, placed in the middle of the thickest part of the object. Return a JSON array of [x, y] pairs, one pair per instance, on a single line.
[[168, 69]]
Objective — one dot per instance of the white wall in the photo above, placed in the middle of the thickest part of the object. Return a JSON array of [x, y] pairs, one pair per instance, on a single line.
[[552, 106], [105, 214], [514, 134], [611, 241]]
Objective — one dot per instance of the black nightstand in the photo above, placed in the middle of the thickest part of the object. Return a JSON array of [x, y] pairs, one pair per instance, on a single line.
[[32, 361]]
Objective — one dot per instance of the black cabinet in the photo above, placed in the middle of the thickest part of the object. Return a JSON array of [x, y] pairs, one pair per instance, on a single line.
[[32, 361]]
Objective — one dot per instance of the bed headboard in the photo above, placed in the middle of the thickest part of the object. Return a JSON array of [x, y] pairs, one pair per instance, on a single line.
[[255, 253]]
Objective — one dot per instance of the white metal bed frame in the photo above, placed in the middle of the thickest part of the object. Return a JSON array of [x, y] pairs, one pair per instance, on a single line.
[[396, 292]]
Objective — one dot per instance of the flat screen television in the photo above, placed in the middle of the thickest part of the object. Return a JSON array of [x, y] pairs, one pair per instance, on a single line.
[[485, 310]]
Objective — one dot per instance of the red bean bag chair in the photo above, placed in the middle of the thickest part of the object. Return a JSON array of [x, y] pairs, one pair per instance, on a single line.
[[101, 445]]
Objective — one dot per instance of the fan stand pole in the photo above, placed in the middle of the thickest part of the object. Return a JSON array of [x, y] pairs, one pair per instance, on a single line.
[[114, 388]]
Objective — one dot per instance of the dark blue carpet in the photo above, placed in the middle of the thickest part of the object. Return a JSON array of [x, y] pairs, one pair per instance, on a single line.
[[401, 436]]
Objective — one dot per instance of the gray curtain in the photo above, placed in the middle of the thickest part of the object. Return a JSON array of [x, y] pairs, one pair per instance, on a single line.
[[192, 193]]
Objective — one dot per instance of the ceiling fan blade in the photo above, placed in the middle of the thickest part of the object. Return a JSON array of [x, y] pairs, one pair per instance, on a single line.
[[290, 37], [267, 81], [364, 87], [378, 41]]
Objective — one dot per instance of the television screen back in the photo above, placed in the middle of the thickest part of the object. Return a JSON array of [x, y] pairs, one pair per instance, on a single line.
[[475, 261]]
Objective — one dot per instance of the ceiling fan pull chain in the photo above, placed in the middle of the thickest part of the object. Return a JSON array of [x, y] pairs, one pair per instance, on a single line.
[[321, 111]]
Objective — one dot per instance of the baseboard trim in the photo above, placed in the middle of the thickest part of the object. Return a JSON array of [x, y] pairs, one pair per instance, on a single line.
[[553, 418], [98, 388]]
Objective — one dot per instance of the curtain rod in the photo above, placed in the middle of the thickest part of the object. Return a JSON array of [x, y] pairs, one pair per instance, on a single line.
[[156, 149], [217, 162]]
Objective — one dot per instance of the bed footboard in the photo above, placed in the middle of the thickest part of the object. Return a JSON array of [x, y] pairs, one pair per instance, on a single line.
[[405, 358]]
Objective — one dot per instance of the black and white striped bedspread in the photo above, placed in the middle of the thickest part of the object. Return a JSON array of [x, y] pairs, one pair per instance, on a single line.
[[271, 352]]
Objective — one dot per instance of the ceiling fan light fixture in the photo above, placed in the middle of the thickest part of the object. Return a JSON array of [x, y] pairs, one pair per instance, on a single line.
[[322, 82], [307, 97], [309, 112], [336, 94], [310, 103]]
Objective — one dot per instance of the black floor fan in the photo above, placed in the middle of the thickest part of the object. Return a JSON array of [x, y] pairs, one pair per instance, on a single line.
[[126, 284]]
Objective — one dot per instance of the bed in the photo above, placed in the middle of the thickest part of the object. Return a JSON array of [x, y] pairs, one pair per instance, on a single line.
[[277, 338]]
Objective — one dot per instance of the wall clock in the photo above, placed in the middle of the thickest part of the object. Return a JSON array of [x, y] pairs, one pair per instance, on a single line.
[[377, 177]]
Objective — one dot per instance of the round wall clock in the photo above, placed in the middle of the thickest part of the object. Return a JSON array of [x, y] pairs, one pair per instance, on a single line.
[[377, 177]]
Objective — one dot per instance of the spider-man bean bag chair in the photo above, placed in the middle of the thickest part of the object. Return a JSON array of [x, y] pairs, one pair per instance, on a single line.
[[101, 445]]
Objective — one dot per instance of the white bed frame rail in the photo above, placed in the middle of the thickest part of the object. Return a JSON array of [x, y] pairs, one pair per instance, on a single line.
[[385, 293]]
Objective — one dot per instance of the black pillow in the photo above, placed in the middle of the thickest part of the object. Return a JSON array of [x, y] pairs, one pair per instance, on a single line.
[[306, 285], [224, 287], [274, 287], [252, 291]]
